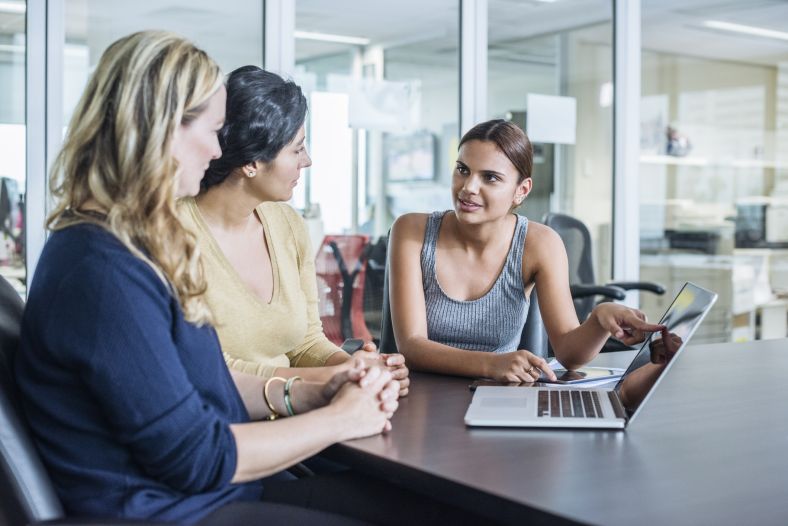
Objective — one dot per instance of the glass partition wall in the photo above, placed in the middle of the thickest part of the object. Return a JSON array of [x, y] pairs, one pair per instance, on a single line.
[[384, 109], [714, 160], [385, 97], [231, 32], [556, 60], [12, 143]]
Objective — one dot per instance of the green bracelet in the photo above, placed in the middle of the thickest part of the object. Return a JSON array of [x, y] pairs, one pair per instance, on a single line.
[[288, 403]]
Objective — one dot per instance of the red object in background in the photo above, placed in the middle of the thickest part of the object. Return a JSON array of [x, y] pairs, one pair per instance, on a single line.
[[341, 266]]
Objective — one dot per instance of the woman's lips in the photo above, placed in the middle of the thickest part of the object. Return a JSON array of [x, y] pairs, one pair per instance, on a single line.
[[468, 206]]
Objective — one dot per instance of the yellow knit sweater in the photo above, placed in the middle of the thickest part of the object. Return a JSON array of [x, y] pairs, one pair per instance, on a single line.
[[257, 337]]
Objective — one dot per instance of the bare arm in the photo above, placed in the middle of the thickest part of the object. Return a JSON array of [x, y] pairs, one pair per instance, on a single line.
[[341, 361], [357, 409], [307, 395], [264, 448], [316, 374], [315, 350], [317, 358], [574, 344]]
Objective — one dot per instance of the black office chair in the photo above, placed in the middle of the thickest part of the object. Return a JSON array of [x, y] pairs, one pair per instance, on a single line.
[[582, 280], [388, 344], [534, 336], [8, 201], [26, 494], [348, 285], [375, 255]]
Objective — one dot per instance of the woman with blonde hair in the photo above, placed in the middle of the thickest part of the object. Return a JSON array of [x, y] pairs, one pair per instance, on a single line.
[[121, 375]]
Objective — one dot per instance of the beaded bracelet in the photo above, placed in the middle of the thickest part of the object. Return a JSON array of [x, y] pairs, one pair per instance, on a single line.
[[274, 415], [288, 384]]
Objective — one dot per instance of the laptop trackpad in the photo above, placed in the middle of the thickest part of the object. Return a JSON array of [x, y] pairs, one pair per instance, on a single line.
[[504, 401]]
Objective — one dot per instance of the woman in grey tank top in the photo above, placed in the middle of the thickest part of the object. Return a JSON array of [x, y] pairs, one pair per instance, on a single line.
[[461, 279]]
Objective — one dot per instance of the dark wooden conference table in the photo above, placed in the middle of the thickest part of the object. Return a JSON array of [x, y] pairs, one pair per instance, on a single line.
[[709, 447]]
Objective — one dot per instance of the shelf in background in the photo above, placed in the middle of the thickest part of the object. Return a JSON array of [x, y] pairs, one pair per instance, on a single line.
[[703, 161]]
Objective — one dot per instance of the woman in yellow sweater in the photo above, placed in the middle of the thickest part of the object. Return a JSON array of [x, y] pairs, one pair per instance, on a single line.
[[256, 253]]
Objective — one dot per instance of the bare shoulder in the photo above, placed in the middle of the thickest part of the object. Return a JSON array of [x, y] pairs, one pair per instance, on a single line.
[[542, 242], [409, 227]]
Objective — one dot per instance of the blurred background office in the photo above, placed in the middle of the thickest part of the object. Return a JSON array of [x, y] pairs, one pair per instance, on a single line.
[[661, 124]]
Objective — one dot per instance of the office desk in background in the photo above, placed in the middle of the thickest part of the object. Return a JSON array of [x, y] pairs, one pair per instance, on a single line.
[[709, 448]]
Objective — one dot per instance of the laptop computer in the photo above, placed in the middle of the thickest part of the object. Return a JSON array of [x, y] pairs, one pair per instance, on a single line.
[[556, 407]]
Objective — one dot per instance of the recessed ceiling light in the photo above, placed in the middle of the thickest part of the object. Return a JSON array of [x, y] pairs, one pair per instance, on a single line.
[[13, 7], [327, 37], [747, 30]]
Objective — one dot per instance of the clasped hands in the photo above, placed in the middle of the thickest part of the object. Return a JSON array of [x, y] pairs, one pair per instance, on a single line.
[[395, 363], [367, 395]]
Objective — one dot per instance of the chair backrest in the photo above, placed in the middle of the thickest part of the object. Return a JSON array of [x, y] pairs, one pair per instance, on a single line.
[[7, 202], [373, 286], [577, 241], [26, 492], [534, 336], [388, 344], [340, 268]]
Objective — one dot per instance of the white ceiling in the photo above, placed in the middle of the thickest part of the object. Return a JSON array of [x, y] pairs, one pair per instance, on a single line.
[[517, 27], [231, 29], [675, 26]]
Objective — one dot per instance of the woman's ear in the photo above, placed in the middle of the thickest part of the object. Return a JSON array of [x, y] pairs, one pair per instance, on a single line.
[[522, 191], [251, 169]]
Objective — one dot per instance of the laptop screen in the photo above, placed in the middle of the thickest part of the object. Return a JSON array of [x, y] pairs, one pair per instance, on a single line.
[[655, 356]]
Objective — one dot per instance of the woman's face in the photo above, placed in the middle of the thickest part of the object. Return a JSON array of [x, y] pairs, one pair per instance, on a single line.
[[278, 178], [196, 144], [485, 183]]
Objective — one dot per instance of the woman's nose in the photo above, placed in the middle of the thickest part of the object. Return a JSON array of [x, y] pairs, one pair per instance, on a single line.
[[471, 185], [307, 161]]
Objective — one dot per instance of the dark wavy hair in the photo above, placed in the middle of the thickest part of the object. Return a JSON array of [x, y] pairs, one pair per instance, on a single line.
[[510, 139], [264, 113]]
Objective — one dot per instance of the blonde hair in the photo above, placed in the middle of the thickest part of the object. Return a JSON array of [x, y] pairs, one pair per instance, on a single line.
[[118, 153]]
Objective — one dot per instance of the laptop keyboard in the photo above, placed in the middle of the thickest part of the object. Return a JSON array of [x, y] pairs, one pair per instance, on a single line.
[[569, 403]]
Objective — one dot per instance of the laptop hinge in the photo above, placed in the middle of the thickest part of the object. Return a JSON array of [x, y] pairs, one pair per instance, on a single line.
[[618, 409]]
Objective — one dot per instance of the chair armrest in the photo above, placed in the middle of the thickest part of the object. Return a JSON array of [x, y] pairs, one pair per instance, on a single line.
[[656, 288], [609, 291], [374, 265]]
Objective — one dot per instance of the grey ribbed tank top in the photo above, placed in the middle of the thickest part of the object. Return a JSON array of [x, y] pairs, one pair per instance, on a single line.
[[492, 323]]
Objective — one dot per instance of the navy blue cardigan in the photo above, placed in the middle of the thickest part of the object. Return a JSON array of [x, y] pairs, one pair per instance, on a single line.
[[129, 404]]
